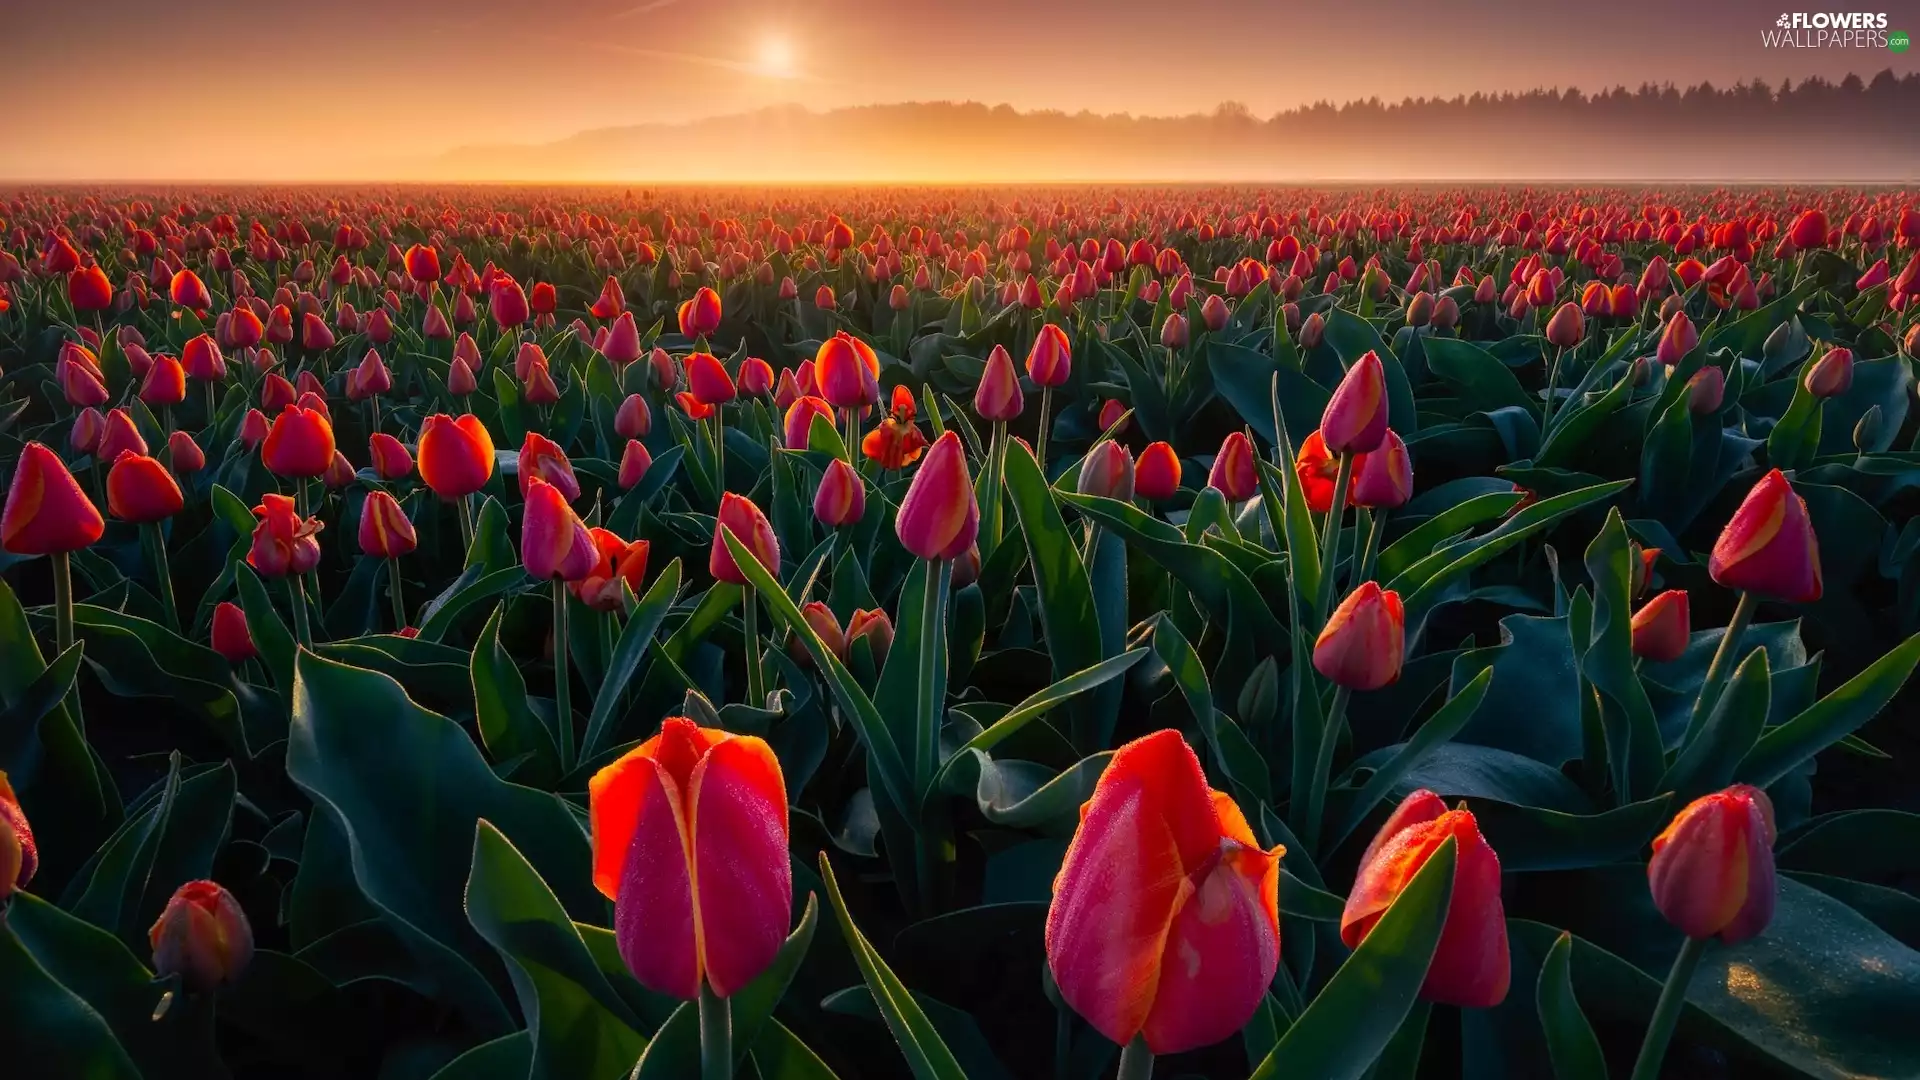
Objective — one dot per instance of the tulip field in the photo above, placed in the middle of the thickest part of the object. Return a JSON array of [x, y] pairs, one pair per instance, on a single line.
[[986, 634]]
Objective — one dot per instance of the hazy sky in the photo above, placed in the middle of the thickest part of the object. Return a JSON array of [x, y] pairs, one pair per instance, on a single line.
[[277, 88]]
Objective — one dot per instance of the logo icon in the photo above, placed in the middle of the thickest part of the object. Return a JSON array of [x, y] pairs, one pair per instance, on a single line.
[[1898, 41], [1784, 21]]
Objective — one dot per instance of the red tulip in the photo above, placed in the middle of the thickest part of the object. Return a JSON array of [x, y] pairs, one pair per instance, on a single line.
[[1677, 339], [299, 445], [254, 429], [1809, 230], [554, 542], [1165, 915], [819, 617], [46, 512], [315, 335], [611, 302], [842, 496], [390, 459], [1361, 646], [633, 420], [185, 454], [508, 304], [634, 463], [231, 638], [1233, 469], [690, 841], [1156, 475], [623, 341], [876, 629], [847, 371], [140, 490], [203, 937], [455, 456], [707, 378], [543, 299], [244, 328], [798, 423], [19, 856], [756, 377], [1383, 477], [1661, 627], [939, 518], [1831, 375], [370, 379], [622, 567], [460, 380], [1769, 547], [423, 264], [1470, 967], [385, 532], [998, 397], [1355, 420], [165, 384], [188, 291], [542, 459], [1050, 361], [1107, 470], [202, 360], [283, 543], [700, 316], [739, 515], [88, 289], [1712, 869]]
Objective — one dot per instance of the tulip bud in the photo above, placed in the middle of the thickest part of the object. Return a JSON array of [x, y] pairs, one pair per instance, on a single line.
[[1164, 923], [756, 377], [1661, 628], [700, 316], [231, 638], [460, 379], [455, 456], [633, 420], [203, 937], [300, 443], [1173, 331], [1705, 390], [1050, 361], [1384, 477], [1470, 967], [876, 628], [1233, 469], [46, 512], [554, 542], [19, 856], [202, 361], [847, 371], [842, 496], [1156, 475], [1831, 375], [707, 378], [1677, 339], [390, 459], [798, 423], [1712, 869], [165, 384], [253, 429], [939, 518], [1311, 331], [1769, 547], [1107, 471], [1355, 420], [690, 842], [634, 463], [998, 397], [1364, 639], [1567, 327], [89, 425], [141, 491], [1866, 433], [740, 516], [385, 532], [820, 619], [1214, 313]]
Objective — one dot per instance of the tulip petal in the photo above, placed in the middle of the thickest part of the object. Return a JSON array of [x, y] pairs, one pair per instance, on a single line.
[[653, 916], [738, 803], [1220, 955]]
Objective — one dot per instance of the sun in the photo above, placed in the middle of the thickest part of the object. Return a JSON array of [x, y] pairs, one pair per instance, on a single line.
[[775, 57]]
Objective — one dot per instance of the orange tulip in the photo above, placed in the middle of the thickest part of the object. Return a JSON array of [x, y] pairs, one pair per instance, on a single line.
[[1364, 639], [1470, 967], [423, 264], [19, 857], [998, 397], [1661, 628], [847, 371], [1318, 473], [1165, 920], [1156, 476], [455, 456], [230, 637], [188, 291], [1355, 420], [700, 316], [203, 937], [1769, 547], [621, 565], [1712, 869], [1567, 327], [385, 532], [46, 511], [300, 443], [140, 490], [1233, 469], [542, 459], [842, 495], [165, 384], [690, 841], [707, 378], [634, 463], [740, 516], [692, 406], [939, 518], [893, 445]]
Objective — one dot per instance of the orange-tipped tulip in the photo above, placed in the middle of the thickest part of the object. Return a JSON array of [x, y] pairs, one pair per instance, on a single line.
[[1832, 374], [1567, 327], [1050, 361], [739, 515], [700, 316], [1233, 469], [46, 511], [542, 459], [999, 397], [1156, 475], [820, 618], [611, 301], [1382, 478], [1364, 640], [165, 383], [690, 841], [300, 443], [1677, 339], [390, 459], [19, 857], [847, 371], [385, 532], [1661, 627], [1712, 869], [230, 637], [1769, 547], [455, 456], [283, 543], [842, 496], [623, 341], [188, 291], [1107, 470], [798, 423], [893, 445], [939, 517], [423, 264], [554, 542], [1470, 967], [202, 360], [634, 463], [140, 490], [707, 378], [1165, 920], [622, 567], [203, 937], [1355, 420], [876, 628]]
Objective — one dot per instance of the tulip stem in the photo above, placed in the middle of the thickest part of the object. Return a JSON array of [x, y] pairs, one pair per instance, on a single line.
[[719, 451], [1136, 1061], [1330, 536], [466, 524], [62, 602], [992, 509], [1722, 664], [1546, 408], [297, 600], [562, 691], [162, 579], [1363, 566], [393, 592], [1046, 407], [1323, 761], [931, 698], [756, 680], [210, 406], [716, 1035], [1667, 1012]]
